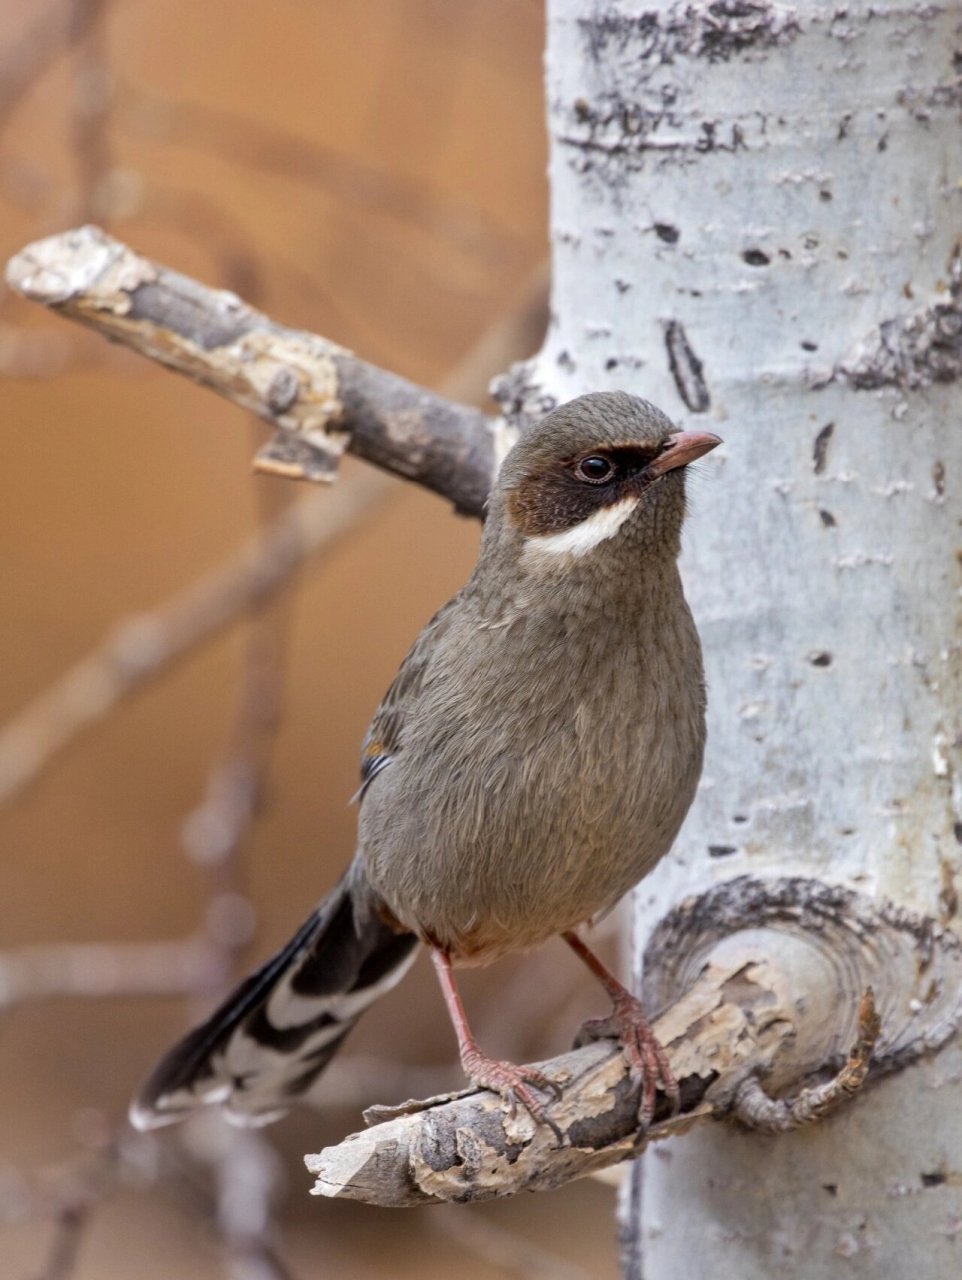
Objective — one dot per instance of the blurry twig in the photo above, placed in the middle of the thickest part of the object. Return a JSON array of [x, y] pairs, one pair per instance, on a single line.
[[244, 1166], [352, 182], [97, 970], [352, 1080], [213, 834], [509, 1252], [70, 1222], [90, 105], [230, 1179], [24, 60], [144, 646]]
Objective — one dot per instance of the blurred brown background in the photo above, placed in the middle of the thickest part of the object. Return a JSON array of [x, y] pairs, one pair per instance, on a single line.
[[374, 172]]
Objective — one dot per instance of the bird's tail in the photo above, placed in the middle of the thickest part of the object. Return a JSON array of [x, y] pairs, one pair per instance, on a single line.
[[278, 1030]]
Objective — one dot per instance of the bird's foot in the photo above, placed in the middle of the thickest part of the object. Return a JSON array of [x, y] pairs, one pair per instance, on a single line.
[[514, 1084], [628, 1024]]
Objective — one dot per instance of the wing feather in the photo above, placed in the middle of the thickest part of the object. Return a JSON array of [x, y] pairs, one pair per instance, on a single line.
[[384, 736]]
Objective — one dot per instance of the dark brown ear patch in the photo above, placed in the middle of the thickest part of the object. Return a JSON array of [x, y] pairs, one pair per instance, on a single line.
[[563, 493]]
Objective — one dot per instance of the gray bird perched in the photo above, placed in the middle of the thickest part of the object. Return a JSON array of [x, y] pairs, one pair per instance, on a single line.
[[533, 759]]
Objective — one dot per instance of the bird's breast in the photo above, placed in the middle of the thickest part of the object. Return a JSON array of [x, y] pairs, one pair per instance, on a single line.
[[543, 771]]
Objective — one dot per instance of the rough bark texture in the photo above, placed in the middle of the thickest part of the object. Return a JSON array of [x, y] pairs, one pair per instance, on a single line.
[[727, 967], [755, 221], [319, 397]]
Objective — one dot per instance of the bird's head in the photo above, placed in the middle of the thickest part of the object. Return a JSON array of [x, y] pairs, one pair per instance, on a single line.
[[605, 470]]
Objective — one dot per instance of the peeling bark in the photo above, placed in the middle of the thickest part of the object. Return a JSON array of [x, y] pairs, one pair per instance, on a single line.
[[916, 349], [320, 398], [764, 985]]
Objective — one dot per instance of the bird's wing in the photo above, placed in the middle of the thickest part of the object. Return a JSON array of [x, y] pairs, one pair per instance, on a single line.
[[383, 738]]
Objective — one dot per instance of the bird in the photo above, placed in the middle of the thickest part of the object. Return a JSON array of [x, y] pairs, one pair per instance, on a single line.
[[531, 762]]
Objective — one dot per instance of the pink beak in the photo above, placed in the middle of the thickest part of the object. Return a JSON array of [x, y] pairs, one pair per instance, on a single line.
[[681, 449]]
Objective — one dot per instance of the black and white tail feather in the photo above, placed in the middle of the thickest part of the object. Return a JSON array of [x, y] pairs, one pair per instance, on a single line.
[[273, 1036]]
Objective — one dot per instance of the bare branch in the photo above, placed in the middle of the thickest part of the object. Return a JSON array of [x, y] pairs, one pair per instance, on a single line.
[[320, 398], [105, 969], [70, 1222], [356, 184], [90, 105], [25, 59], [759, 980]]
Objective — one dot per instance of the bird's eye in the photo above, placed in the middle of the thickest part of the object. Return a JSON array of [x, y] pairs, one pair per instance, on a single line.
[[595, 469]]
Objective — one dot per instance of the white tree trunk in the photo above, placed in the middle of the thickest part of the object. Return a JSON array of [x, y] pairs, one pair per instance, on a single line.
[[755, 220]]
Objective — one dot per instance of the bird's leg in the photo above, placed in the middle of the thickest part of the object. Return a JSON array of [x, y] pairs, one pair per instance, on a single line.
[[627, 1023], [511, 1081]]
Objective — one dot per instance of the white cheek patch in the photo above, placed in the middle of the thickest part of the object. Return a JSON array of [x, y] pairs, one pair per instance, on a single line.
[[584, 537]]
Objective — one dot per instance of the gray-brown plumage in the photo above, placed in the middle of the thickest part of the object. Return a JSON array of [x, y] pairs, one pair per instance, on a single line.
[[533, 759]]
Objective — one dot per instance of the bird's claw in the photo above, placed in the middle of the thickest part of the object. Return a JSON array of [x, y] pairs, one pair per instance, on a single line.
[[642, 1049], [514, 1084]]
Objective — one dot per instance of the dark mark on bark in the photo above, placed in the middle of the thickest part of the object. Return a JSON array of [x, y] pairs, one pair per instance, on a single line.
[[756, 258], [613, 136], [948, 894], [827, 519], [915, 350], [721, 850], [686, 369], [665, 231], [820, 447], [820, 659], [938, 478], [282, 392], [439, 1142], [183, 306], [521, 396], [717, 32], [934, 1179], [809, 346], [911, 352], [595, 1131]]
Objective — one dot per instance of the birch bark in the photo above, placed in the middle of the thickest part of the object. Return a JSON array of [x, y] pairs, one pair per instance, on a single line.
[[755, 222]]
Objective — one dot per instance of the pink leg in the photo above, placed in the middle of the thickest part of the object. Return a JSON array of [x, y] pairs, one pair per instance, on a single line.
[[628, 1024], [512, 1082]]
